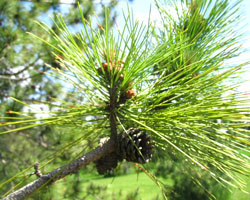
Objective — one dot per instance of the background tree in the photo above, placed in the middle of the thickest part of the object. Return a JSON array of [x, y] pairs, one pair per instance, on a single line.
[[22, 75], [131, 88]]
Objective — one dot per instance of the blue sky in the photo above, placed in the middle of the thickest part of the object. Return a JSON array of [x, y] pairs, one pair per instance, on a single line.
[[141, 10]]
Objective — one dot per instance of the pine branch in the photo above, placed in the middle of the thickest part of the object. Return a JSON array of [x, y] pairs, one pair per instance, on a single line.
[[50, 2], [19, 78], [62, 171], [20, 71]]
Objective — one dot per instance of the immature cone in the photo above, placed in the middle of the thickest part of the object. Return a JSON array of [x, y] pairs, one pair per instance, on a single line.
[[111, 67], [130, 93], [135, 146], [111, 64]]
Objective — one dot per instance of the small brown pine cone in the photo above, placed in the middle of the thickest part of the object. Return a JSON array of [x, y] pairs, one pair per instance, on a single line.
[[135, 146], [107, 163]]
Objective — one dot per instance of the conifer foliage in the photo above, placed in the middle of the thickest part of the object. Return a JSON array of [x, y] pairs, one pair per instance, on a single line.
[[169, 87]]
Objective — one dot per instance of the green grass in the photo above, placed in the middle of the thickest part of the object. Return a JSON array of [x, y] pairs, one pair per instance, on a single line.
[[129, 183], [239, 195], [119, 186]]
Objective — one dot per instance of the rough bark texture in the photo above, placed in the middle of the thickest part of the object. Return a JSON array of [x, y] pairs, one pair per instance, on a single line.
[[62, 171]]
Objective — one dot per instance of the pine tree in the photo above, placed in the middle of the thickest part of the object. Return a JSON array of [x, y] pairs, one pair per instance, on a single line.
[[167, 88]]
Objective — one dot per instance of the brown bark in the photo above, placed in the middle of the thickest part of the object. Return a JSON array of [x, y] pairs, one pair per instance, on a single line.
[[62, 171]]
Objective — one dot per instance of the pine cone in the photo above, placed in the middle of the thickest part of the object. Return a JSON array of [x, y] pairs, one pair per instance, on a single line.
[[107, 163], [135, 146]]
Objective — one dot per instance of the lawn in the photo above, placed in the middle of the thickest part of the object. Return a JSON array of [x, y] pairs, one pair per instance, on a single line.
[[147, 189], [239, 195], [119, 187]]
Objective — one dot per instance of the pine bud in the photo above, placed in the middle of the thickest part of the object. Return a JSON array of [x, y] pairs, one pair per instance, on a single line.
[[130, 93]]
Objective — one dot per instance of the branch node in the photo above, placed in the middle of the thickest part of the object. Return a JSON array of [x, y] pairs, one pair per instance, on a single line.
[[37, 171]]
